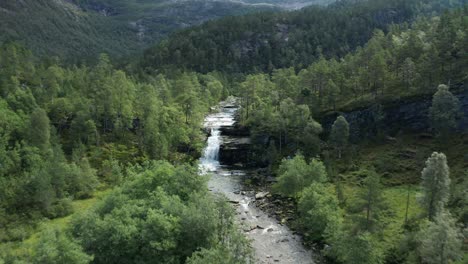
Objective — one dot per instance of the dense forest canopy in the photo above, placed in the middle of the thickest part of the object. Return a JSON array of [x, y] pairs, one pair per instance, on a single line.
[[99, 164], [263, 42]]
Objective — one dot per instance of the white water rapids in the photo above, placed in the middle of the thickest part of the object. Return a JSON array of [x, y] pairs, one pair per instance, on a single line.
[[272, 242]]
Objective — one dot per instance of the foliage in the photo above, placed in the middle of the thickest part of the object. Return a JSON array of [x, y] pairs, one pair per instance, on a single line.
[[361, 248], [78, 30], [56, 247], [162, 212], [370, 204], [267, 41], [441, 240], [339, 134], [435, 184], [296, 174], [444, 111], [320, 214], [65, 131]]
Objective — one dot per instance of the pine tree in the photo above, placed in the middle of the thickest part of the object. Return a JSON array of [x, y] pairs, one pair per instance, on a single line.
[[444, 111], [371, 202], [39, 129], [441, 241], [339, 134], [435, 184]]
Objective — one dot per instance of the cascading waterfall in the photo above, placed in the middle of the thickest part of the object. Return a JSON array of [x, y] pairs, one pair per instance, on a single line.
[[210, 160]]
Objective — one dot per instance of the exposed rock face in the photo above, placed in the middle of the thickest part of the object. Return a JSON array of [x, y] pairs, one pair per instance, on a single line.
[[235, 131], [406, 116], [235, 150], [236, 144]]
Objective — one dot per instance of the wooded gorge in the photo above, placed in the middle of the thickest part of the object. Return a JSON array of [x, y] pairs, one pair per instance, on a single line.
[[356, 115]]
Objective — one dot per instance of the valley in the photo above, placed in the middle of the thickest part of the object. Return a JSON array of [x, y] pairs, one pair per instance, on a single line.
[[234, 132]]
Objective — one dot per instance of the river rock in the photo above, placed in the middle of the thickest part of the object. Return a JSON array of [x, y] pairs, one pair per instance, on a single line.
[[261, 195]]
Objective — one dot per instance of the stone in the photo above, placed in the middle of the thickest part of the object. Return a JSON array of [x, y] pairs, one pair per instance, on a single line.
[[261, 195]]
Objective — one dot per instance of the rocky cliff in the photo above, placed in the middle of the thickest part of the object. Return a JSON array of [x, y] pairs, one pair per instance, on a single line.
[[410, 115]]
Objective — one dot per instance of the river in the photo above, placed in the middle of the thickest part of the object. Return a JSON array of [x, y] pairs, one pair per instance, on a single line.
[[271, 241]]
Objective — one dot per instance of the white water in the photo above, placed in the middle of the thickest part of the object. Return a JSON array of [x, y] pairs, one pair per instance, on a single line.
[[272, 242], [209, 162]]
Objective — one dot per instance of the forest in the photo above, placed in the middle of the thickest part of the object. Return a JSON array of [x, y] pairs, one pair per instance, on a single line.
[[77, 31], [99, 161], [267, 41]]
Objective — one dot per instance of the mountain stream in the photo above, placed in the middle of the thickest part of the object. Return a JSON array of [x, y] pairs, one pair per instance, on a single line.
[[272, 242]]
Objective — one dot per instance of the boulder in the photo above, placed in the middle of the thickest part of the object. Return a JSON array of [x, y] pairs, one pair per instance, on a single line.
[[261, 195]]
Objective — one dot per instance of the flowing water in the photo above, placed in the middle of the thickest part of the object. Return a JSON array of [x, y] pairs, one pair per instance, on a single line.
[[272, 242]]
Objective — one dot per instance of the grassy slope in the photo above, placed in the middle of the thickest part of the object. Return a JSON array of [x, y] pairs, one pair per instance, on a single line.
[[401, 163], [24, 247]]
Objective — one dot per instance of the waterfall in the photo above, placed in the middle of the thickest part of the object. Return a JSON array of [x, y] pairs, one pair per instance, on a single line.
[[209, 161], [212, 150]]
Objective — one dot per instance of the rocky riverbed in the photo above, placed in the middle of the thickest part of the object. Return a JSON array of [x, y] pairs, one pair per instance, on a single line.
[[272, 240]]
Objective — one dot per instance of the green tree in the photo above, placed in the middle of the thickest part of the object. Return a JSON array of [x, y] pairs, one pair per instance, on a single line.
[[435, 185], [409, 73], [39, 129], [358, 249], [320, 214], [444, 111], [309, 141], [161, 212], [83, 179], [339, 135], [459, 199], [441, 240], [55, 247], [371, 202], [296, 174]]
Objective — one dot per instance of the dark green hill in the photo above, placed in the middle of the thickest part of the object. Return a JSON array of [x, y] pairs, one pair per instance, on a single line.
[[80, 29], [276, 40]]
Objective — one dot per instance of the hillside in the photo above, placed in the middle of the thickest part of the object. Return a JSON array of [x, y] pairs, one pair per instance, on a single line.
[[264, 42], [79, 30], [59, 28]]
